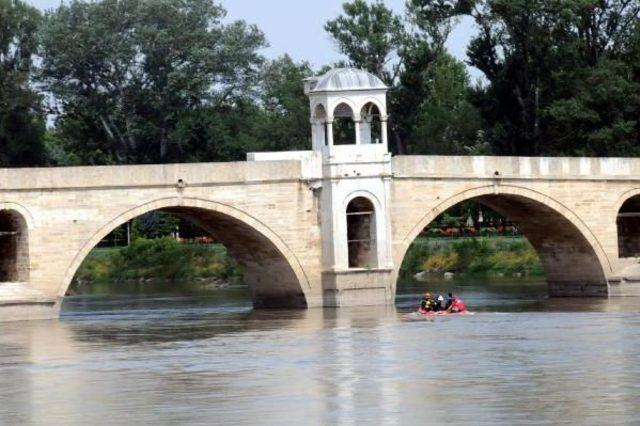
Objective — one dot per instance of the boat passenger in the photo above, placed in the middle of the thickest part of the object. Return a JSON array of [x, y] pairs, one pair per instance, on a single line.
[[427, 304], [448, 302], [439, 305], [457, 306]]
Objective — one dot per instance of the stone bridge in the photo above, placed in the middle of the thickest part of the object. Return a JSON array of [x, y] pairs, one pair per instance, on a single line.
[[270, 213], [326, 227]]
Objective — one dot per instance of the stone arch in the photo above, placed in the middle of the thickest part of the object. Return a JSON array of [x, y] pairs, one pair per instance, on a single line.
[[14, 245], [336, 102], [624, 197], [371, 100], [272, 270], [345, 107], [319, 116], [319, 112], [574, 259], [344, 124], [362, 193], [371, 124], [24, 212]]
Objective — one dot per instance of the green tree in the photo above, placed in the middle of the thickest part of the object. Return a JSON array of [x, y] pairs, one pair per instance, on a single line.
[[560, 75], [275, 119], [370, 35], [447, 122], [285, 121], [22, 121], [126, 72], [224, 132], [154, 225]]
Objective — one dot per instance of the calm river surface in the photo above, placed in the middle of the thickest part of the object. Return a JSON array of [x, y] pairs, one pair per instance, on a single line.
[[169, 360]]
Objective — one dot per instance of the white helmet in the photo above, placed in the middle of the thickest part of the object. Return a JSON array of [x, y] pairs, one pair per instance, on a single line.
[[440, 298]]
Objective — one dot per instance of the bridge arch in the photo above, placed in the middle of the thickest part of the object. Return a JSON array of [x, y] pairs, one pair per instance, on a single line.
[[572, 256], [272, 271]]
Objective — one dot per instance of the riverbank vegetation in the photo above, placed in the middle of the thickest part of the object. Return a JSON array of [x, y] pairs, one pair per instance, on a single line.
[[160, 260], [165, 260], [497, 256]]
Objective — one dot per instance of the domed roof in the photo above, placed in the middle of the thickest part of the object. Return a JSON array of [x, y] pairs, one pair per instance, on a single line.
[[341, 79]]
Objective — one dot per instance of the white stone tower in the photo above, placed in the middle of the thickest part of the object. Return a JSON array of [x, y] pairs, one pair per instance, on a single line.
[[349, 135]]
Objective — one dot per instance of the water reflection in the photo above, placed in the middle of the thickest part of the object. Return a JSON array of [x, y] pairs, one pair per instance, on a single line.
[[164, 359]]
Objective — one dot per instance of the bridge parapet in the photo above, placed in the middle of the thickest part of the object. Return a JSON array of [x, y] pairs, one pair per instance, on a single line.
[[140, 176], [539, 168]]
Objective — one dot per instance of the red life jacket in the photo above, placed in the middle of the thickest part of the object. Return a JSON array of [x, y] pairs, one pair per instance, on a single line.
[[459, 305]]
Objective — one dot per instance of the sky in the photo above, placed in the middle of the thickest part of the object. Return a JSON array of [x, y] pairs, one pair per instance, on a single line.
[[296, 27]]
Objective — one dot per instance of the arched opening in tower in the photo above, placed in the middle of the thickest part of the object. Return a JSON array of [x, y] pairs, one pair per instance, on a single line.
[[344, 129], [361, 233], [370, 126], [320, 127], [14, 247]]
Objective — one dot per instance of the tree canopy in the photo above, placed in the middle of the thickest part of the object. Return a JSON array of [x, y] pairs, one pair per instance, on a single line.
[[146, 81], [22, 121], [125, 72]]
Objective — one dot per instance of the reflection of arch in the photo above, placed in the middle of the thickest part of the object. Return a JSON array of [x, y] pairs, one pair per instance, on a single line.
[[361, 233], [573, 258], [628, 227], [273, 272], [14, 246]]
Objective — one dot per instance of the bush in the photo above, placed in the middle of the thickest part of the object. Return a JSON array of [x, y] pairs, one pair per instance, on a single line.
[[442, 262], [162, 259], [474, 255]]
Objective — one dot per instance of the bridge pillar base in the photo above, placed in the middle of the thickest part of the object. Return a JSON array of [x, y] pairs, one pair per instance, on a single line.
[[357, 287], [577, 289], [624, 287], [27, 311]]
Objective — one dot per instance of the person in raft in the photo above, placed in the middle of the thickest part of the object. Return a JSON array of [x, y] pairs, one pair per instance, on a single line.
[[453, 304], [427, 304], [457, 306]]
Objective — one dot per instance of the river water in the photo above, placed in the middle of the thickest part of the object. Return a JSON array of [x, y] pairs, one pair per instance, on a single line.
[[168, 360]]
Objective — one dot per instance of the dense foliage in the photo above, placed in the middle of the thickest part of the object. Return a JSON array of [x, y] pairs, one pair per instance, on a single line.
[[489, 256], [158, 260], [145, 81], [22, 122]]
